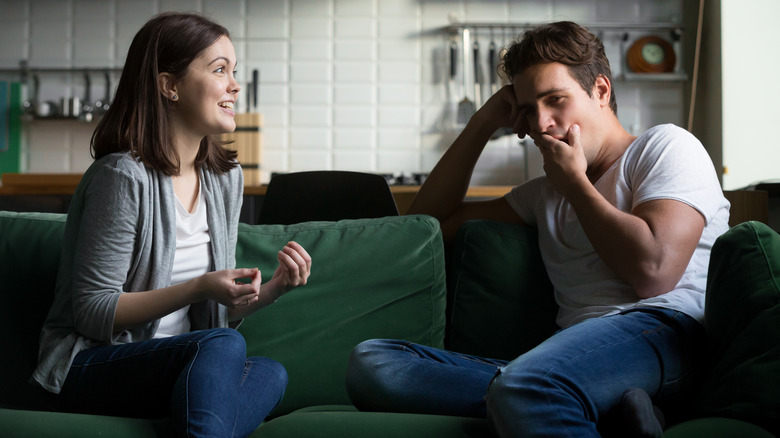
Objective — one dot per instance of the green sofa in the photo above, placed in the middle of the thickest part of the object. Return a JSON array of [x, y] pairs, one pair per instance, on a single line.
[[387, 278]]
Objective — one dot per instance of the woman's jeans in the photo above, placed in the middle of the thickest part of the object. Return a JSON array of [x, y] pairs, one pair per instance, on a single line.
[[202, 379], [560, 388]]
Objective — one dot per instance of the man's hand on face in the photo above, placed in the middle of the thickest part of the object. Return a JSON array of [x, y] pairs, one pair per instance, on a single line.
[[564, 159]]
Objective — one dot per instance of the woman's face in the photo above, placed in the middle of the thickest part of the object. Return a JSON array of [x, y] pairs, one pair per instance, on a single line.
[[208, 92]]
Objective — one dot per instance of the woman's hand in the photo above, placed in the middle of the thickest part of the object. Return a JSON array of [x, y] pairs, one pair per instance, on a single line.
[[293, 271], [223, 287]]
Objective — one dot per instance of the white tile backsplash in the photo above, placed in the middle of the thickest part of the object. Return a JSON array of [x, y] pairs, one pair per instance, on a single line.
[[309, 94], [345, 84], [354, 116], [355, 8], [311, 8], [354, 138], [264, 8], [315, 50], [355, 28], [357, 71], [310, 138], [358, 161], [311, 28], [310, 116], [310, 72], [264, 27], [350, 50], [355, 94]]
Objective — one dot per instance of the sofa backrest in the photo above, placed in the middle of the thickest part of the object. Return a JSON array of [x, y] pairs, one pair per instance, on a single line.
[[500, 299], [29, 256]]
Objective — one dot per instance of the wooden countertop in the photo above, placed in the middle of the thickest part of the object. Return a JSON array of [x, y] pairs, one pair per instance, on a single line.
[[745, 204], [65, 184]]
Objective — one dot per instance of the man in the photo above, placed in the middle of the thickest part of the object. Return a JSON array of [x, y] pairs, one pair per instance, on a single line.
[[625, 225]]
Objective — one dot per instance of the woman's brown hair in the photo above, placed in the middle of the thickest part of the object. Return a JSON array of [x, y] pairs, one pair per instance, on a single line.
[[567, 43], [139, 118]]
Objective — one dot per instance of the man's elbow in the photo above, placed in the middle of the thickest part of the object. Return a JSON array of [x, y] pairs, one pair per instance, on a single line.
[[655, 282]]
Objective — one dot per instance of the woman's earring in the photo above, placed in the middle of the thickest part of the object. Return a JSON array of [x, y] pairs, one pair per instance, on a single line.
[[175, 97]]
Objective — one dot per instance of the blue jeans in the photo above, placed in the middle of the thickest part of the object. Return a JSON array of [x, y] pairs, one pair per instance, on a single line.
[[559, 388], [202, 379]]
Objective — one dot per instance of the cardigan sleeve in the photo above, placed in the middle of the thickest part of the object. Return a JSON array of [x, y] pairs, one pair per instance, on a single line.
[[104, 251]]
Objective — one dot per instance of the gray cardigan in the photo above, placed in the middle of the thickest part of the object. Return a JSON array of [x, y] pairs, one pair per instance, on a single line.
[[120, 236]]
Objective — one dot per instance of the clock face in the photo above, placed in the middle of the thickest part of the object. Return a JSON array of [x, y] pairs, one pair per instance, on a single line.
[[653, 53]]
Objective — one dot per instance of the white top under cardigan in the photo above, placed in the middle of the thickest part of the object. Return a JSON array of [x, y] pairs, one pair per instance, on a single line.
[[120, 237], [192, 259]]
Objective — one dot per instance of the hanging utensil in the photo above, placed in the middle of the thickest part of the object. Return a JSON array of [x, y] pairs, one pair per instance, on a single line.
[[101, 105], [466, 107], [477, 84], [86, 107], [449, 115], [255, 87], [248, 97], [492, 64]]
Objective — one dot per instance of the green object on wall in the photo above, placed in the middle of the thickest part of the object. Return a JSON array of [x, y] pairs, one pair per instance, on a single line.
[[10, 127]]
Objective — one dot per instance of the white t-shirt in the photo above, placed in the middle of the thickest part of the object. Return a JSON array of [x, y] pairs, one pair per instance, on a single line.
[[666, 162], [192, 259]]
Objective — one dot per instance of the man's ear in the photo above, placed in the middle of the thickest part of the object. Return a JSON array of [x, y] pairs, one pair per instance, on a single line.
[[602, 90], [167, 86]]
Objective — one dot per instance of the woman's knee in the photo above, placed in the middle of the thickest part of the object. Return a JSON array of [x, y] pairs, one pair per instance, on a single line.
[[272, 373], [224, 341]]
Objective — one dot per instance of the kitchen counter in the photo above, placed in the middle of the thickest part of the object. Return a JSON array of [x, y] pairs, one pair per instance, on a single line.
[[65, 184]]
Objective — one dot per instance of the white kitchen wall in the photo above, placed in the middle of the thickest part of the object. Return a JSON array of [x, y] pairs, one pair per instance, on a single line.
[[345, 84]]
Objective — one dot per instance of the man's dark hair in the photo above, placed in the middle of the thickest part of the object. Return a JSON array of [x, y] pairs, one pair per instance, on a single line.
[[567, 43]]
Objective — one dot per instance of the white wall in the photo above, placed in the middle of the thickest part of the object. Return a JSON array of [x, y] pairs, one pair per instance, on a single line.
[[751, 91], [346, 84]]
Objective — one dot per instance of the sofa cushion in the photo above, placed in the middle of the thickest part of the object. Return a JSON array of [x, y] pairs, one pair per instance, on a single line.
[[38, 424], [716, 428], [346, 422], [29, 256], [371, 278], [742, 313], [500, 298]]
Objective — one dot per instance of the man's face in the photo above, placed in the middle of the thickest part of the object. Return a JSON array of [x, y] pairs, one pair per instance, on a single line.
[[550, 100]]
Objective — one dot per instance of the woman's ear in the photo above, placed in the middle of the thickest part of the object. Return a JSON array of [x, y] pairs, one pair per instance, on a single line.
[[602, 89], [167, 86]]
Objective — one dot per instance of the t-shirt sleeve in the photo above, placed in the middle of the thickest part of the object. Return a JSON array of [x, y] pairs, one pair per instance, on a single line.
[[673, 164], [525, 197]]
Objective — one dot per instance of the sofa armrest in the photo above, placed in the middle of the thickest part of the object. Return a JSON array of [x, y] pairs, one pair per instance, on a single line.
[[500, 300], [742, 316]]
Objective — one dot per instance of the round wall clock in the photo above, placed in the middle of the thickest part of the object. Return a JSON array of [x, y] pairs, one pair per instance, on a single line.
[[651, 54]]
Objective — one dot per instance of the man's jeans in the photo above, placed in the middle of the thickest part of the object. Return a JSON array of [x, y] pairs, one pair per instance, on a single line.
[[202, 379], [560, 388]]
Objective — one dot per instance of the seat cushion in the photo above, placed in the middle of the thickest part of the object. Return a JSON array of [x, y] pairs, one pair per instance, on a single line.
[[501, 302], [742, 314], [371, 278], [346, 422], [40, 424], [716, 428]]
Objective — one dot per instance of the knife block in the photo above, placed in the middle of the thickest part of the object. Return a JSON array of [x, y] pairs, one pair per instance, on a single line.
[[247, 141]]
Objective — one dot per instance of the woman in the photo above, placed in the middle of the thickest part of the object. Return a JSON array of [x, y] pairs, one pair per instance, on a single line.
[[157, 215]]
